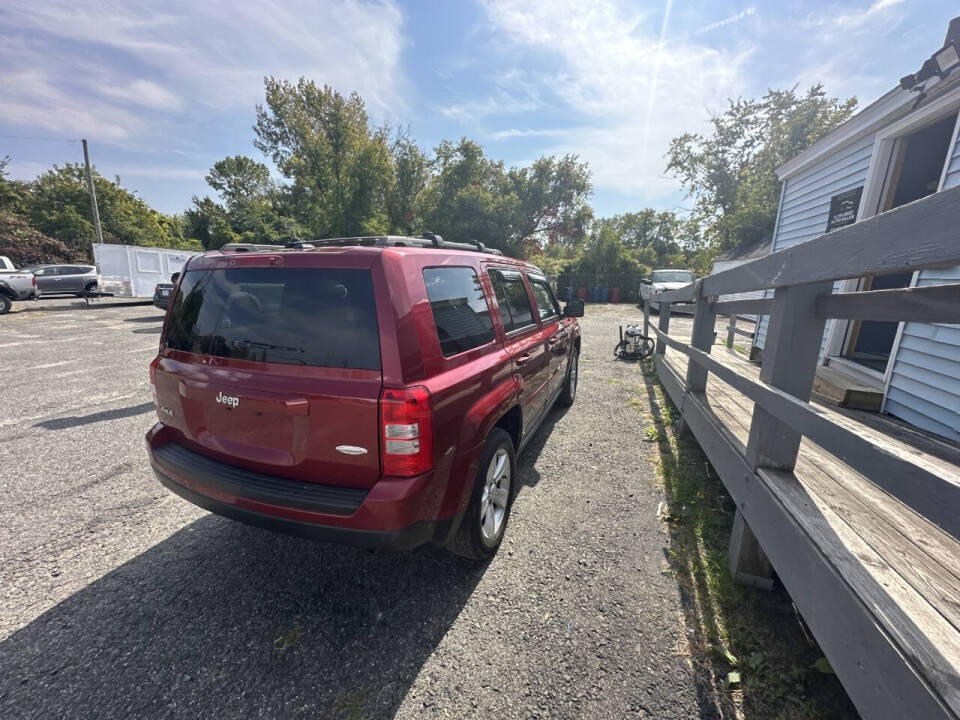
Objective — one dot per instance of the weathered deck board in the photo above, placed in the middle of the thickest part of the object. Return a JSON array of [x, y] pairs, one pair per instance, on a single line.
[[905, 568]]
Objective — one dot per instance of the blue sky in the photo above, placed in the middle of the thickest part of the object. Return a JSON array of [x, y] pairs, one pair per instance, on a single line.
[[162, 90]]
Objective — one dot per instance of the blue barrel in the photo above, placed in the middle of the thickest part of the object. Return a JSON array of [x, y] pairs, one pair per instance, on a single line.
[[595, 294], [604, 294]]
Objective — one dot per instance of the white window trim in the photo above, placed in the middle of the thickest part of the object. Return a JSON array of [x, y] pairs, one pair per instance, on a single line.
[[883, 147], [951, 149]]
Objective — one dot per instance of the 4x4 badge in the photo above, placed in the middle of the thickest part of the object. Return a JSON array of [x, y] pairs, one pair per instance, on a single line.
[[231, 401]]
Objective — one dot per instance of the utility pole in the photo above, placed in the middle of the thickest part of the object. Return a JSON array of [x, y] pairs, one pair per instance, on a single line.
[[93, 198]]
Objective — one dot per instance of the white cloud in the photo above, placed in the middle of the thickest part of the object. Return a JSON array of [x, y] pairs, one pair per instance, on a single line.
[[844, 20], [83, 67], [511, 133], [841, 48], [608, 80], [159, 172], [145, 93], [513, 94], [743, 14], [32, 99]]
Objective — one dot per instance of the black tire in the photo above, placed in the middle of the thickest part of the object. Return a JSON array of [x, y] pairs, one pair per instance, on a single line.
[[4, 304], [569, 392], [471, 540], [88, 290]]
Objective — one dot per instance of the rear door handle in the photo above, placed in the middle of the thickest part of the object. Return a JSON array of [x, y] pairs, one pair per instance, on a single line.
[[555, 339], [523, 359]]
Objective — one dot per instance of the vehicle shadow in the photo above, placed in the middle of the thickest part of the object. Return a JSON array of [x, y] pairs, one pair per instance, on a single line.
[[225, 620], [55, 303], [156, 330], [77, 420], [146, 319], [526, 469]]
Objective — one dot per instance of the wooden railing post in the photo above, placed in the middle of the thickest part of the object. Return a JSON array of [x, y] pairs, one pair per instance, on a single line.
[[646, 318], [731, 329], [790, 355], [664, 325], [704, 322]]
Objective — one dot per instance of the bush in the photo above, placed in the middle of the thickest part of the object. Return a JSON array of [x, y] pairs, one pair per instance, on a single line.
[[26, 246]]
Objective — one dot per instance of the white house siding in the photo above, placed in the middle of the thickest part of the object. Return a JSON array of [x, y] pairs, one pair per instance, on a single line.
[[925, 381], [806, 202], [720, 266]]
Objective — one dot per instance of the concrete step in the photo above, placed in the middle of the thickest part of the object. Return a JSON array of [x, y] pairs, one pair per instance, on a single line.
[[840, 389]]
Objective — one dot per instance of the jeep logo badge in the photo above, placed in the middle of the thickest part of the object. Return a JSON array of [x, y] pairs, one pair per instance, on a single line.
[[230, 401]]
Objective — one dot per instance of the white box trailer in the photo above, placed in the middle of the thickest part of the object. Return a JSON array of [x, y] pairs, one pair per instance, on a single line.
[[134, 271]]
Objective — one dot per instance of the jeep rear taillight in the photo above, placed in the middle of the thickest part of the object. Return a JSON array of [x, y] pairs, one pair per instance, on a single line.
[[35, 281], [406, 431], [153, 371]]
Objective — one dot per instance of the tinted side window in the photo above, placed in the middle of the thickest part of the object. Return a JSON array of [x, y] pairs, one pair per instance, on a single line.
[[459, 307], [546, 303], [512, 298]]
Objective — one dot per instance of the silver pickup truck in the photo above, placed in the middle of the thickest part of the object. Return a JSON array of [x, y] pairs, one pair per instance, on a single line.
[[662, 280], [15, 285]]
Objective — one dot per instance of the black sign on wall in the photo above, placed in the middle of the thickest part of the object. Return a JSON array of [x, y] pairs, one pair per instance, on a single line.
[[843, 209]]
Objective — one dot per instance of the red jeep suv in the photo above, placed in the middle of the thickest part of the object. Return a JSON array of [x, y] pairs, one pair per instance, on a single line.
[[372, 391]]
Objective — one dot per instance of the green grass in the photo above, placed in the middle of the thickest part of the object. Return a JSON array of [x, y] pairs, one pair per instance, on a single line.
[[750, 643]]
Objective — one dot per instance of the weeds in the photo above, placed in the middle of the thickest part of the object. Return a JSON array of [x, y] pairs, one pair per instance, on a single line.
[[748, 643]]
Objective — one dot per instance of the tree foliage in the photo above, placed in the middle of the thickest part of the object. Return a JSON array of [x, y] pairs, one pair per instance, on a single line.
[[25, 245], [335, 173], [339, 166], [731, 171], [520, 210], [57, 205]]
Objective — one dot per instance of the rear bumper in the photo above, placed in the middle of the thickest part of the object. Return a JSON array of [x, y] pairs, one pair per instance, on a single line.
[[390, 520]]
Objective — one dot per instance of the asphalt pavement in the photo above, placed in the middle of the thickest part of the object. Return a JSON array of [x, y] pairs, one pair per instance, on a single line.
[[118, 599]]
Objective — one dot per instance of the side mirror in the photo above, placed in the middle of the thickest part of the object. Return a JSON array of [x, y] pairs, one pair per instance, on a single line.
[[646, 281], [573, 308]]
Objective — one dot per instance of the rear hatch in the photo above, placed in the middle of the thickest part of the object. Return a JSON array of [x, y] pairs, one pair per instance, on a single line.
[[275, 367]]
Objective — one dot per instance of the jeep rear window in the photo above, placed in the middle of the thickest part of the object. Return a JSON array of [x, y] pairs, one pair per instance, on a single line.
[[319, 317]]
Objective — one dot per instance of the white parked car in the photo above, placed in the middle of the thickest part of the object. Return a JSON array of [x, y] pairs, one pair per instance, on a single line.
[[662, 280]]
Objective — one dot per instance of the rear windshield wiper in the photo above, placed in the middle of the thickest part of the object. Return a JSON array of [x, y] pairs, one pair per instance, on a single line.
[[244, 344]]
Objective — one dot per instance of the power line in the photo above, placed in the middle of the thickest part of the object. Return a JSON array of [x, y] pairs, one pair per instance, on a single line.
[[42, 139]]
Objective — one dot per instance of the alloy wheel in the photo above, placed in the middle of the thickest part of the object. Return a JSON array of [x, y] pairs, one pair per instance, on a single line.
[[496, 495]]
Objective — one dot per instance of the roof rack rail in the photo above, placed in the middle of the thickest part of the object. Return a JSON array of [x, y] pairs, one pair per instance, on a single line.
[[427, 240]]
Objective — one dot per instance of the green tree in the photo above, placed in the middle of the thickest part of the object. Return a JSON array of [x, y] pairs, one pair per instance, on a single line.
[[12, 193], [730, 172], [411, 171], [240, 181], [519, 211], [58, 205], [467, 201], [339, 166], [552, 202]]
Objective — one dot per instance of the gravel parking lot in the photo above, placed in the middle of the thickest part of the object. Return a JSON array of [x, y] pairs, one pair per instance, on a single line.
[[119, 599]]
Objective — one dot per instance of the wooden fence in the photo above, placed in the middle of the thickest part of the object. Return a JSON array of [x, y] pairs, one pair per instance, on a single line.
[[877, 666]]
